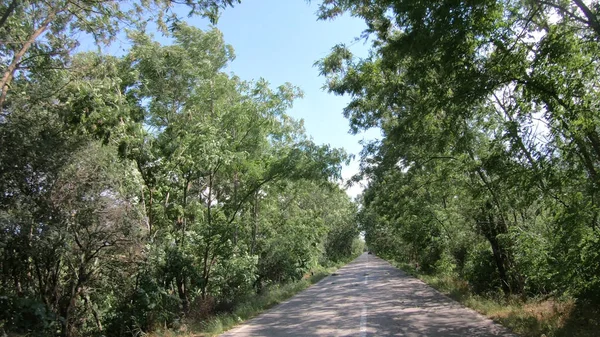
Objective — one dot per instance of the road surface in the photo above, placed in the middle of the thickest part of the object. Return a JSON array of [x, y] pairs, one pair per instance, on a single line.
[[369, 297]]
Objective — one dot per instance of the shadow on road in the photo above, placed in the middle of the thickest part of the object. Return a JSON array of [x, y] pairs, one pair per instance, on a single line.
[[395, 304]]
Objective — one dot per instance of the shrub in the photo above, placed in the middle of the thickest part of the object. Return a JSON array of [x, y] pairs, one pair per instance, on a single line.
[[480, 270], [26, 315]]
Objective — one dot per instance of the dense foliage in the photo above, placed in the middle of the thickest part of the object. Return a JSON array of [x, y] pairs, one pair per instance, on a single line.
[[136, 191], [489, 160]]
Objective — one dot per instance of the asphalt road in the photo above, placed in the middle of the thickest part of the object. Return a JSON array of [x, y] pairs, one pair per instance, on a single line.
[[369, 297]]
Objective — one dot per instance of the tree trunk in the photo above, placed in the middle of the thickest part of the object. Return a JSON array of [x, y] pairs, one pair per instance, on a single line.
[[235, 199], [500, 260], [181, 291], [12, 67], [491, 229], [9, 10], [90, 305], [206, 267], [591, 16], [69, 304], [254, 223]]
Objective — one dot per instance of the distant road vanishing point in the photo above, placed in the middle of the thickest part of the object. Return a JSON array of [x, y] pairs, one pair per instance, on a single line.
[[369, 297]]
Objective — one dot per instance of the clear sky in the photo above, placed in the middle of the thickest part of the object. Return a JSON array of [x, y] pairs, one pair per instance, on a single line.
[[280, 40]]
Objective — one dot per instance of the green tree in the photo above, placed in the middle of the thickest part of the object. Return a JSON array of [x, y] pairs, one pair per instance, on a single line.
[[37, 36], [150, 188], [495, 99]]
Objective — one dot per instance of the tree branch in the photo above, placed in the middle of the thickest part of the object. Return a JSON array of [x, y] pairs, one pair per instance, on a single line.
[[8, 74], [9, 10]]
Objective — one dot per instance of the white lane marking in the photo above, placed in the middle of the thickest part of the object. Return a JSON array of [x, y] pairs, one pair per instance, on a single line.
[[363, 313], [363, 321]]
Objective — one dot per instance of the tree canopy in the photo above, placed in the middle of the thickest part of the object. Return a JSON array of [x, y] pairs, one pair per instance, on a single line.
[[488, 162]]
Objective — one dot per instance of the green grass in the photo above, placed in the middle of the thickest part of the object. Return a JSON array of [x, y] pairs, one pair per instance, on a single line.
[[549, 317]]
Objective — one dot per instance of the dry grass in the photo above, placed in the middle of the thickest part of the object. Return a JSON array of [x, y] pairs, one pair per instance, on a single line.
[[531, 318]]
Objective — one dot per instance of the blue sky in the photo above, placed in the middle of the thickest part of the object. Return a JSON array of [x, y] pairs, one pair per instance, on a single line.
[[280, 40]]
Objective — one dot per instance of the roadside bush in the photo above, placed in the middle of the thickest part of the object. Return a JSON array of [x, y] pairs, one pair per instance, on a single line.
[[358, 246], [445, 264], [146, 307], [531, 259], [430, 256], [590, 253], [277, 266], [282, 262], [233, 278], [481, 272], [26, 315], [340, 243]]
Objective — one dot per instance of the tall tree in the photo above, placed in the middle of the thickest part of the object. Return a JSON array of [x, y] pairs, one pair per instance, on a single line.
[[498, 92]]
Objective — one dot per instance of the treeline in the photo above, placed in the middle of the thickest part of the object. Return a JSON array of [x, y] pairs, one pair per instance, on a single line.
[[140, 190], [488, 166]]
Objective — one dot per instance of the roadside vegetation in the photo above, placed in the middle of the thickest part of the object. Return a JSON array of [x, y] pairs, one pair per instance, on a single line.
[[250, 306], [531, 317], [486, 175], [256, 303], [153, 190]]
